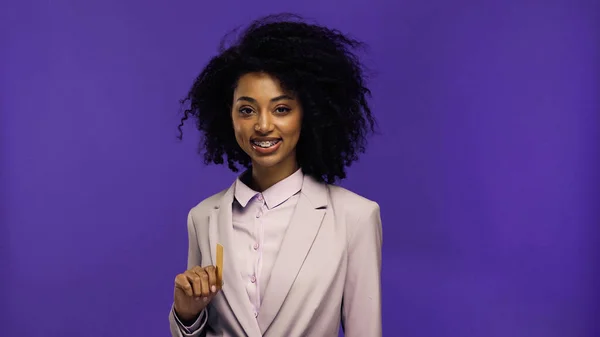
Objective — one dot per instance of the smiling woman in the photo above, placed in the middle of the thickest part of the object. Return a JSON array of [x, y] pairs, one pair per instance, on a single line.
[[288, 103]]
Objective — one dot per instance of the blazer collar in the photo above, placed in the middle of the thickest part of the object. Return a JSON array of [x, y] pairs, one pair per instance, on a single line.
[[315, 192]]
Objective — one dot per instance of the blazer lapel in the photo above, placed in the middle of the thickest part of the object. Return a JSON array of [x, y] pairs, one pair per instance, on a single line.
[[298, 239], [221, 231]]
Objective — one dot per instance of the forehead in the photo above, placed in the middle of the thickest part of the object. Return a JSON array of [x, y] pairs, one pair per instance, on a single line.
[[258, 84]]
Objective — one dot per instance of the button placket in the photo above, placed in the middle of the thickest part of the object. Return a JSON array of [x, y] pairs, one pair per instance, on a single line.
[[254, 282]]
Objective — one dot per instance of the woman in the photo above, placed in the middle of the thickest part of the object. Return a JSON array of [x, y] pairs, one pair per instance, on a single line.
[[287, 102]]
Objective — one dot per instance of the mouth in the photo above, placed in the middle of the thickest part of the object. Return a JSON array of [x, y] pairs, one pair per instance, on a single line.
[[265, 144]]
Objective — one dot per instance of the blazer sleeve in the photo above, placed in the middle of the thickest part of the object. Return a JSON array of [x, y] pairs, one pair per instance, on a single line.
[[194, 259], [361, 304]]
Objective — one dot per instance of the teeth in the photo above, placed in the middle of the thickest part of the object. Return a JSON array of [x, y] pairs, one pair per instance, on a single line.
[[266, 143]]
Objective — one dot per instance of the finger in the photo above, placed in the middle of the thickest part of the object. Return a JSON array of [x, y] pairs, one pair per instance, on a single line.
[[182, 282], [211, 271], [204, 281], [194, 279]]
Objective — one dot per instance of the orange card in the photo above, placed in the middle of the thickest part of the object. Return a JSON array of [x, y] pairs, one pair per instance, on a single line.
[[219, 263]]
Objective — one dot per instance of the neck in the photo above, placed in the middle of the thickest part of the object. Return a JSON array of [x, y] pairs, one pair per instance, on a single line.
[[265, 177]]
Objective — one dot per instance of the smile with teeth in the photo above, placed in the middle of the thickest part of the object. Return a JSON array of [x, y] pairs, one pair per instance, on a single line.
[[266, 144]]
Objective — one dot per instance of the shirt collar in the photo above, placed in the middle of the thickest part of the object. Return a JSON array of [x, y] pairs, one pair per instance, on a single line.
[[274, 195]]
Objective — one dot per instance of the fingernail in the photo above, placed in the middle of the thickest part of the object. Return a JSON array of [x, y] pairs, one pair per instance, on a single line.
[[213, 289], [205, 299], [197, 298]]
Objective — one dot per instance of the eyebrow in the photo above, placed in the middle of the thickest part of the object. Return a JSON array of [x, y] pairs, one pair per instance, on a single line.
[[275, 99]]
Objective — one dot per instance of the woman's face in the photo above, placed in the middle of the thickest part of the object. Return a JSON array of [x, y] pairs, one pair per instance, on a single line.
[[266, 122]]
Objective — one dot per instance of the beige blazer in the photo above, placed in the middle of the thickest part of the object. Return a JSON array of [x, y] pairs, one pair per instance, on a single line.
[[327, 272]]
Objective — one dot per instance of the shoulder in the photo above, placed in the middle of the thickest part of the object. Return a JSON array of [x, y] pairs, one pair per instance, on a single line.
[[361, 216], [350, 204], [204, 207]]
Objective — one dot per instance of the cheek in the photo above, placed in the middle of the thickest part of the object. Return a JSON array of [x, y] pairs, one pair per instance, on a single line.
[[238, 130], [296, 127], [291, 124]]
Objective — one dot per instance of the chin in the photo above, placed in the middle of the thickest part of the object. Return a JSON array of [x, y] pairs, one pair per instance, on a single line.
[[266, 162]]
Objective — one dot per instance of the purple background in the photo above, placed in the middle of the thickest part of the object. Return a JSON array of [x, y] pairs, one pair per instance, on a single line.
[[486, 168]]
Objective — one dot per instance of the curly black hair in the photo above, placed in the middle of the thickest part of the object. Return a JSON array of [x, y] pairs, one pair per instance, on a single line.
[[316, 63]]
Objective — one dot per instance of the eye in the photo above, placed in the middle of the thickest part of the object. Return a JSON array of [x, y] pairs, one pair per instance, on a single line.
[[245, 111], [282, 110]]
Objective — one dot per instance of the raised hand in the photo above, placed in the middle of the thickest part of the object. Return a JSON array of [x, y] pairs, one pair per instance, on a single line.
[[194, 289]]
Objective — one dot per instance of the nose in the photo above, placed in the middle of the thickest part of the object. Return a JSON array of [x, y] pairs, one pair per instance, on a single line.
[[264, 124]]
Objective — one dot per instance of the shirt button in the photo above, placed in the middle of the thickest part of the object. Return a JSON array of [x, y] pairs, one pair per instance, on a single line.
[[255, 314], [260, 198], [255, 246], [253, 279], [259, 214]]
